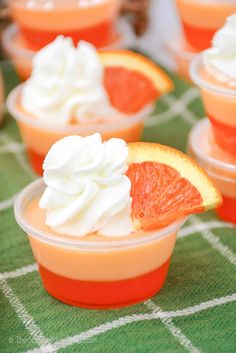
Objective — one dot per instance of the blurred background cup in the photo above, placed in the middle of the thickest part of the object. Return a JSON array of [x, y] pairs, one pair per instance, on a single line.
[[182, 54], [220, 106], [39, 136], [220, 166], [21, 54], [201, 19], [41, 21]]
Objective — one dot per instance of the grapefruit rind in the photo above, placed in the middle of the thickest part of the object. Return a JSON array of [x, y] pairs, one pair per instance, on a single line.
[[152, 152], [137, 62]]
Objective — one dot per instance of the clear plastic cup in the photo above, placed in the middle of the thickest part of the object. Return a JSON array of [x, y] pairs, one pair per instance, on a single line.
[[21, 53], [220, 106], [39, 136], [96, 274], [183, 54], [41, 21], [218, 164], [201, 19]]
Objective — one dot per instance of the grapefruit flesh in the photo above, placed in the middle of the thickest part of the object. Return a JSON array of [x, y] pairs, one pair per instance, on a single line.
[[129, 91], [132, 81], [166, 185], [160, 195]]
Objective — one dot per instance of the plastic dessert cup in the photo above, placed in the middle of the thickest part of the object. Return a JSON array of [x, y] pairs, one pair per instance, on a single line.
[[39, 136], [183, 54], [201, 19], [218, 164], [100, 273], [220, 106], [21, 53], [42, 21]]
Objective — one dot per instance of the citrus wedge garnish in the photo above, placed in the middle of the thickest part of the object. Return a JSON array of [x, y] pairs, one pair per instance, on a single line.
[[166, 185], [132, 81]]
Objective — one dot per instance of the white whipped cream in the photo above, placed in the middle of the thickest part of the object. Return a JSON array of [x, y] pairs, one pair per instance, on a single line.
[[220, 59], [67, 83], [87, 190]]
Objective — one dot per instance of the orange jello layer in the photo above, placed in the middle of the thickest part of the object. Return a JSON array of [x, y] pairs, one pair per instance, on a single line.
[[225, 135], [224, 178], [205, 15], [221, 107], [67, 17], [99, 35], [201, 20], [199, 37], [228, 209], [96, 264], [101, 294]]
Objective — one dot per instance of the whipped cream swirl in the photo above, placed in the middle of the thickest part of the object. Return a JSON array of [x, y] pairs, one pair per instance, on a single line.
[[67, 85], [87, 190], [220, 59]]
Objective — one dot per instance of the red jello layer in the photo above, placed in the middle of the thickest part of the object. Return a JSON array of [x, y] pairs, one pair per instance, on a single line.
[[99, 35], [36, 161], [225, 135], [198, 37], [228, 210], [104, 295]]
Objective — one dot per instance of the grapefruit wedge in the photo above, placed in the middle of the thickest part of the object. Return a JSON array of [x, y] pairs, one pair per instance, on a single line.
[[166, 185], [132, 81]]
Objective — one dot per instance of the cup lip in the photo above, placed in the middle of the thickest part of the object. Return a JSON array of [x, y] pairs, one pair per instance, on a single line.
[[12, 30], [34, 188], [7, 40], [195, 65], [175, 47], [121, 123], [194, 138]]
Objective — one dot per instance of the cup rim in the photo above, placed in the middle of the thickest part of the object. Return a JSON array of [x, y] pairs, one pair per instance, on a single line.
[[199, 81], [76, 128], [194, 138], [34, 188], [174, 46], [7, 40]]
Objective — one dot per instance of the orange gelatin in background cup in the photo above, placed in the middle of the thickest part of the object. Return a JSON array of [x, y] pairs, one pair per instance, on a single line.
[[218, 164], [201, 19], [22, 53], [39, 136], [220, 105], [146, 82], [95, 271], [42, 21]]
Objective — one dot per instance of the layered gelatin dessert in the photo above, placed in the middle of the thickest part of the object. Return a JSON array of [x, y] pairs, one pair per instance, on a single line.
[[202, 18], [215, 73], [22, 53], [102, 223], [77, 90], [41, 21], [220, 165]]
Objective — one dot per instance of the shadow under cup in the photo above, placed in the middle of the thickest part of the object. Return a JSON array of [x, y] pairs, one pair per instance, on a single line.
[[39, 136], [220, 107], [97, 274]]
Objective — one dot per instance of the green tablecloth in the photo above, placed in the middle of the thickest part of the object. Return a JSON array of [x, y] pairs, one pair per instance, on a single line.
[[195, 312]]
